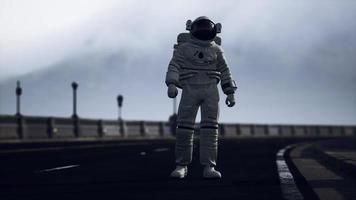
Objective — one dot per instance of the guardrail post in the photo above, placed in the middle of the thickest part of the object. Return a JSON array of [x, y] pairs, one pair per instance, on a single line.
[[315, 130], [161, 129], [304, 130], [143, 130], [292, 131], [122, 128], [266, 130], [173, 123], [252, 130], [76, 126], [50, 127], [222, 130], [279, 130], [342, 131], [318, 131], [329, 131], [238, 131], [20, 126], [101, 131]]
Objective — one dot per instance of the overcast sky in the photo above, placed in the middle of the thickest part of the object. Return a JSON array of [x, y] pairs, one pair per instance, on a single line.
[[294, 60]]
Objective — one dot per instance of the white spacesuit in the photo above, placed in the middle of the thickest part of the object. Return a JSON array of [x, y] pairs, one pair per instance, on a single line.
[[196, 67]]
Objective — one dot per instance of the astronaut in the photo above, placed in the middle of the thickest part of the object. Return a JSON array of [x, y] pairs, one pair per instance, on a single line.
[[197, 66]]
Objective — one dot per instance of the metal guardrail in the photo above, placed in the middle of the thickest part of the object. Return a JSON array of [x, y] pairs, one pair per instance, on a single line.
[[32, 128]]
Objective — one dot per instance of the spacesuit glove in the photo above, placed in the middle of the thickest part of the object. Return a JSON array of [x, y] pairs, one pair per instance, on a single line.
[[230, 100], [172, 91]]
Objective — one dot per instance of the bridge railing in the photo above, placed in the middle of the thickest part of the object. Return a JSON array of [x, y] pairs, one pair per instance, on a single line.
[[32, 128]]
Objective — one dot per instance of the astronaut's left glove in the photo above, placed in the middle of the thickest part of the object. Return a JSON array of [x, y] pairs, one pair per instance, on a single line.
[[230, 100], [172, 91]]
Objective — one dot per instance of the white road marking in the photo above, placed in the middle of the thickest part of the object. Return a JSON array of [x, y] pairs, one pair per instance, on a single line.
[[142, 153], [57, 168], [161, 149], [288, 186]]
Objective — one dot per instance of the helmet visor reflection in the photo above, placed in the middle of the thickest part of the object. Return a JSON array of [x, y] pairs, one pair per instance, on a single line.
[[203, 30]]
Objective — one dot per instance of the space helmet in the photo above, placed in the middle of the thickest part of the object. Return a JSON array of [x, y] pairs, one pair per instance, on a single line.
[[203, 28]]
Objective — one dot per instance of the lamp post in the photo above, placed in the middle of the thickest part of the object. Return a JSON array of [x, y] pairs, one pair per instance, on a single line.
[[18, 98], [74, 86], [174, 105], [122, 125], [173, 118], [76, 124], [20, 120], [120, 99]]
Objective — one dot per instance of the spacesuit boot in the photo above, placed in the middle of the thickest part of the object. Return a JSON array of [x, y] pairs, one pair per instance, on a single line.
[[184, 146], [208, 152], [210, 172], [180, 172], [183, 151]]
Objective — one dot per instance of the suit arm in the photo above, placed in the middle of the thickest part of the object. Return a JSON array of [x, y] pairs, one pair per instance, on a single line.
[[172, 75], [228, 85]]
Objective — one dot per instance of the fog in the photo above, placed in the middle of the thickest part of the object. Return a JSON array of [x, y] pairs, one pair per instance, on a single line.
[[294, 61]]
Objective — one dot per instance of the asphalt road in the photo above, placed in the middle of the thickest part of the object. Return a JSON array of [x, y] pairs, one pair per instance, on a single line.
[[140, 170]]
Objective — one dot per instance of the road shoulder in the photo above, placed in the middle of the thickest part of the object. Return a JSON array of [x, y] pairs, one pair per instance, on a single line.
[[325, 181]]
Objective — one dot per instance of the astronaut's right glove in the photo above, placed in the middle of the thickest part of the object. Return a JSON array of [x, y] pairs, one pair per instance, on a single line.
[[172, 91], [230, 100]]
